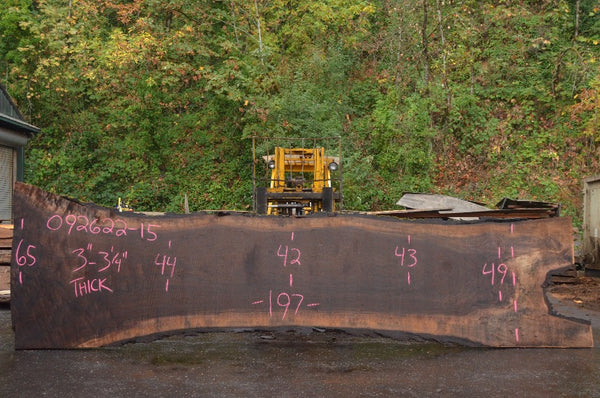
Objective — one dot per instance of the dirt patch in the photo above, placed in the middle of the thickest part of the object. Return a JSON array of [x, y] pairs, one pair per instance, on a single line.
[[582, 291]]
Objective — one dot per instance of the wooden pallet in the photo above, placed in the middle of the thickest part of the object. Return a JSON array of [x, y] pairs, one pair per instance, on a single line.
[[6, 233]]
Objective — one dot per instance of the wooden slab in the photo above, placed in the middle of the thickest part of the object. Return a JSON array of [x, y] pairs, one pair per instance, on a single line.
[[5, 257], [6, 231], [6, 243], [85, 276], [4, 278]]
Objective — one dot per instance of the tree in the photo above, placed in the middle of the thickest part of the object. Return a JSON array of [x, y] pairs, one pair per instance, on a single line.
[[152, 100]]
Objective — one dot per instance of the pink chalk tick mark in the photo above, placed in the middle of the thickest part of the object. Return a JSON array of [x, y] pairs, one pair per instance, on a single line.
[[258, 302], [409, 239], [515, 303], [169, 244], [409, 278], [291, 280], [292, 236], [499, 252], [167, 286], [512, 228], [22, 222], [514, 279], [517, 334], [512, 251], [20, 278], [499, 295], [313, 305]]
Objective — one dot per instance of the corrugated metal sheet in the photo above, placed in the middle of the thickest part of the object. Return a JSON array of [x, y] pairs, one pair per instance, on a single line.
[[7, 176]]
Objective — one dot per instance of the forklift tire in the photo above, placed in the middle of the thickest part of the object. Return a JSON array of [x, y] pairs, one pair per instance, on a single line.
[[327, 199], [261, 200]]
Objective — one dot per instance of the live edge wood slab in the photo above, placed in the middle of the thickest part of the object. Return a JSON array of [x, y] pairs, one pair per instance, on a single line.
[[86, 276]]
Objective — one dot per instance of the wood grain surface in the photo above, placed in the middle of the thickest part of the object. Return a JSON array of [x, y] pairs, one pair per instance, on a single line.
[[86, 276]]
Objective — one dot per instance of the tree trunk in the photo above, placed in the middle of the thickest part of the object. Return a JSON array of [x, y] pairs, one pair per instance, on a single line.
[[444, 68], [260, 42], [425, 43], [577, 12]]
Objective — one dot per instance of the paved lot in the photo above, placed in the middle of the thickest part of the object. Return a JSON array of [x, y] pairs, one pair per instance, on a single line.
[[294, 363]]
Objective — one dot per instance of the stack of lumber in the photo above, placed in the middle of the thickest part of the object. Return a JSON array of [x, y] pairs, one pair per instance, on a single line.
[[6, 234]]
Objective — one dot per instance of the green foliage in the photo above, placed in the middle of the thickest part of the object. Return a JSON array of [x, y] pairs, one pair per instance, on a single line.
[[155, 100]]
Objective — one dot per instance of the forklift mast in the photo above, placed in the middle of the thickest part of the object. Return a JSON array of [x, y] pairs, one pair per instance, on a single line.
[[298, 179]]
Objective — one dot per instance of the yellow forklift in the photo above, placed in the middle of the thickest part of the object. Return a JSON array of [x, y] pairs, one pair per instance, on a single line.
[[301, 176]]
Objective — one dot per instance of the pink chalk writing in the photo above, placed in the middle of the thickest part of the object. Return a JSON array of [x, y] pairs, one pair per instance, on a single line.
[[112, 258], [289, 253], [164, 263], [24, 257], [107, 258], [285, 303], [412, 253], [407, 257], [108, 226], [285, 300], [150, 234], [28, 258], [83, 287], [492, 269], [80, 254], [104, 260], [270, 303], [497, 271]]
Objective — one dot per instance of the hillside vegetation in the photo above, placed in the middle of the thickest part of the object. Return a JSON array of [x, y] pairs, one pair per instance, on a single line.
[[151, 100]]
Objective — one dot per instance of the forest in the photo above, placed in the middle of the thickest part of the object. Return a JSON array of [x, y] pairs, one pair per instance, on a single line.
[[155, 100]]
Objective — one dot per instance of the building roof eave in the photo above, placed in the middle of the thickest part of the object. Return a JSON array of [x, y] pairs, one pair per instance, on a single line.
[[19, 125]]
